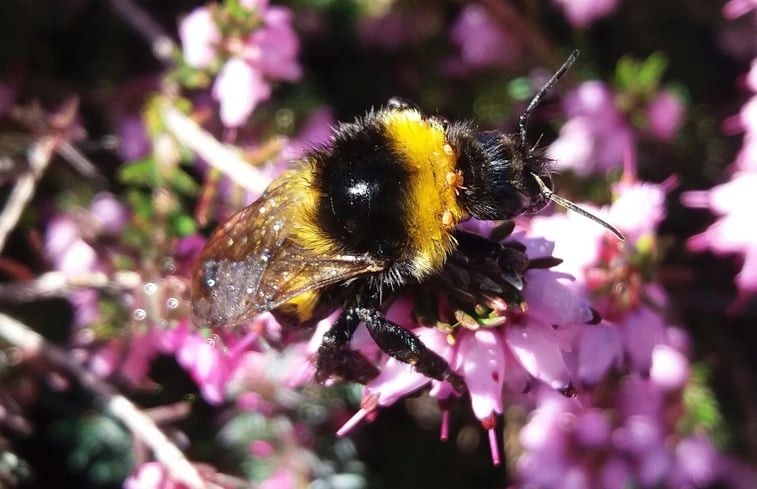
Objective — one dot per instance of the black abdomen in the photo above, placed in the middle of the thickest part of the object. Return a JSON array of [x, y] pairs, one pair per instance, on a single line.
[[363, 190]]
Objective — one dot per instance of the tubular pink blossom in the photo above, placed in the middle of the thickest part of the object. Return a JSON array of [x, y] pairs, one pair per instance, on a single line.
[[481, 362], [199, 37], [273, 48], [581, 13], [665, 113], [239, 88], [539, 357]]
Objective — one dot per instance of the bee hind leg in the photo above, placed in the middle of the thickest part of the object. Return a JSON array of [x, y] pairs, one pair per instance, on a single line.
[[403, 345], [336, 360]]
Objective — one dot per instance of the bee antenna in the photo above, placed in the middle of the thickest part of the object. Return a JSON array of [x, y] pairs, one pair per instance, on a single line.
[[523, 121], [561, 201]]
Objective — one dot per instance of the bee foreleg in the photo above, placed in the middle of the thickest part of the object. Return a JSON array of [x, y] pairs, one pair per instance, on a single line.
[[336, 360], [403, 345]]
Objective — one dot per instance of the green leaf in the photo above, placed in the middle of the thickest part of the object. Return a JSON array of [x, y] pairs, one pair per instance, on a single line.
[[650, 72], [182, 182], [182, 225], [142, 172]]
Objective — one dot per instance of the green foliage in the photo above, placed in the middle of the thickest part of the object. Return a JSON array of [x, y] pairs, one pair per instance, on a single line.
[[98, 446], [702, 411]]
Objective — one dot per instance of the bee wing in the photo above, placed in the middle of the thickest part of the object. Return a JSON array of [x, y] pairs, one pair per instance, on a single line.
[[250, 265]]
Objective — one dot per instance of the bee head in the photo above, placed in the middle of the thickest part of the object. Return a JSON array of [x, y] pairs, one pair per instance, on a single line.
[[505, 177]]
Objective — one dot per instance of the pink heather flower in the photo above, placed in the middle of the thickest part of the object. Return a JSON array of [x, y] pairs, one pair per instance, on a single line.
[[151, 475], [751, 78], [581, 13], [273, 48], [129, 360], [527, 347], [64, 245], [599, 263], [734, 231], [239, 88], [638, 208], [210, 365], [737, 8], [267, 53], [71, 255], [281, 479], [629, 443], [133, 142], [482, 42], [199, 38], [109, 212], [665, 113], [316, 131], [747, 157], [594, 138], [255, 5]]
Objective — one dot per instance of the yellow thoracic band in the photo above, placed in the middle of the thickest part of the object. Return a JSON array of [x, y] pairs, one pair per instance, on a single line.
[[433, 209]]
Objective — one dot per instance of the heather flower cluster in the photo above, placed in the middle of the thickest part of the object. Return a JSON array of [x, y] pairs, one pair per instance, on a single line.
[[732, 202], [598, 130], [256, 46]]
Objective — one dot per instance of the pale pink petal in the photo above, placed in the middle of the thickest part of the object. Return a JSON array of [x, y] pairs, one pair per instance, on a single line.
[[642, 329], [638, 209], [552, 302], [199, 36], [481, 362], [593, 428], [539, 357], [670, 368], [483, 42], [599, 350], [281, 479], [256, 5], [239, 88], [581, 13], [665, 113], [273, 48], [395, 380], [109, 211]]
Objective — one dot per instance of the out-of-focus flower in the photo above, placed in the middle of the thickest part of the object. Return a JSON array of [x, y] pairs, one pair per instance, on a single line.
[[151, 475], [614, 274], [629, 440], [68, 246], [200, 38], [273, 49], [595, 136], [315, 132], [239, 88], [267, 52], [581, 13], [598, 131], [396, 28], [664, 114], [129, 360], [211, 366], [736, 8], [734, 231], [482, 42], [134, 143]]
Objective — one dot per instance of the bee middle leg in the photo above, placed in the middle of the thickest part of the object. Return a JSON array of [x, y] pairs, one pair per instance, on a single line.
[[406, 347], [336, 360]]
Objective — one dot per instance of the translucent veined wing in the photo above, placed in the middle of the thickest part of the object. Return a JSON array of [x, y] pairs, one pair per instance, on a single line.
[[250, 264]]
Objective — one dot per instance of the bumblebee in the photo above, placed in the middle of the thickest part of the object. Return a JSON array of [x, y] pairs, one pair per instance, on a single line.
[[372, 212]]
